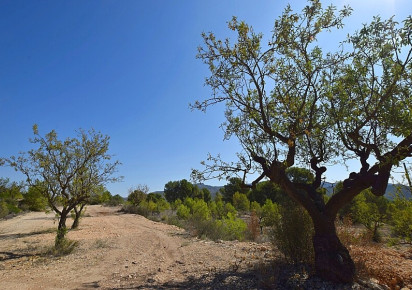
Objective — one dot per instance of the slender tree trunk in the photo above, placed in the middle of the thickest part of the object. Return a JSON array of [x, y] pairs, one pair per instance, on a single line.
[[78, 213], [332, 259], [61, 229]]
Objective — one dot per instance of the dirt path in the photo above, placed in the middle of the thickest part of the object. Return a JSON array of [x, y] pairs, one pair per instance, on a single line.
[[120, 251]]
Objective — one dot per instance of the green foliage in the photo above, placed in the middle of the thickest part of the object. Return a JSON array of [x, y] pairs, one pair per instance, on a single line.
[[138, 194], [136, 197], [35, 200], [10, 196], [148, 207], [270, 214], [183, 212], [370, 210], [290, 101], [292, 235], [115, 200], [300, 175], [200, 210], [241, 202], [206, 195], [4, 210], [401, 218], [100, 195], [230, 209], [63, 247], [175, 204], [234, 185], [231, 227], [182, 189], [255, 207], [66, 171], [266, 190]]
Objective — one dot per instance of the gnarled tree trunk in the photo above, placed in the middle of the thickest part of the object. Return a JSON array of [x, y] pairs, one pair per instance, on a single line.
[[332, 259]]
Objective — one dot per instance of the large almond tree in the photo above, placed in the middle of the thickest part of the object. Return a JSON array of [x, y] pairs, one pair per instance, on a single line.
[[289, 102]]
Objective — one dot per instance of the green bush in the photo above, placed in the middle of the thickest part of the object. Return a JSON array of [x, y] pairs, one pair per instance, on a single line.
[[136, 197], [200, 210], [34, 200], [229, 228], [3, 209], [292, 235], [183, 212], [115, 200], [233, 228], [401, 218], [241, 202], [13, 208], [371, 211], [229, 208], [270, 214]]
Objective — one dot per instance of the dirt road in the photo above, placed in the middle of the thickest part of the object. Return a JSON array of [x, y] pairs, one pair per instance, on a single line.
[[121, 251]]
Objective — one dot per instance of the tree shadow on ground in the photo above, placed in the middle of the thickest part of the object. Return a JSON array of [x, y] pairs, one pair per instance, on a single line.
[[6, 256], [24, 235], [276, 275]]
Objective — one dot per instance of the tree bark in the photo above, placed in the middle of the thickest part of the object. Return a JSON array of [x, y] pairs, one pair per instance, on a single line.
[[78, 213], [332, 260], [61, 229]]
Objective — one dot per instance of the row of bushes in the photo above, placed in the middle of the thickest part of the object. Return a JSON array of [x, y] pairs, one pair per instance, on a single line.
[[289, 230]]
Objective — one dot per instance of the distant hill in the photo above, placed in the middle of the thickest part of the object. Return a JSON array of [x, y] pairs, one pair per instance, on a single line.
[[213, 189], [391, 190]]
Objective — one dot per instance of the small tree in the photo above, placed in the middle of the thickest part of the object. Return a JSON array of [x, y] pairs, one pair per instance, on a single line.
[[66, 172], [241, 202], [371, 211], [34, 199], [138, 194], [235, 185], [179, 190]]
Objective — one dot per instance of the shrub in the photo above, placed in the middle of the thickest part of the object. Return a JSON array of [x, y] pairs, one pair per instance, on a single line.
[[229, 228], [292, 235], [232, 228], [370, 210], [34, 200], [115, 200], [401, 218], [63, 247], [183, 212], [255, 207], [241, 202], [200, 210], [270, 214], [136, 197], [3, 209], [229, 209]]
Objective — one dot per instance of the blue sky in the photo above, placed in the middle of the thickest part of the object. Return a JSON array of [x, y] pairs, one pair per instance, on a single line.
[[128, 69]]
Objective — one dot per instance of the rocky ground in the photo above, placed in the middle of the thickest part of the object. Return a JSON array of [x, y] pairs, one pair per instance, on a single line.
[[124, 251]]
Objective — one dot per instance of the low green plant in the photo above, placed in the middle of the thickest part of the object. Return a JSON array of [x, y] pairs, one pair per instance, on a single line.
[[401, 219], [183, 212], [63, 247], [292, 235], [4, 210]]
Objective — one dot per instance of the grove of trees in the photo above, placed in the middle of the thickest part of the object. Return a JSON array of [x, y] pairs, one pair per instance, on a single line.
[[289, 102]]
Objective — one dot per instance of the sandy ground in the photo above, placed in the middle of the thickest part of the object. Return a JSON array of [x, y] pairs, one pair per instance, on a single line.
[[119, 251]]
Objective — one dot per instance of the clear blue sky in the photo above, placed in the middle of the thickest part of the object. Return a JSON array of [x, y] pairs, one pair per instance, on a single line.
[[128, 69]]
